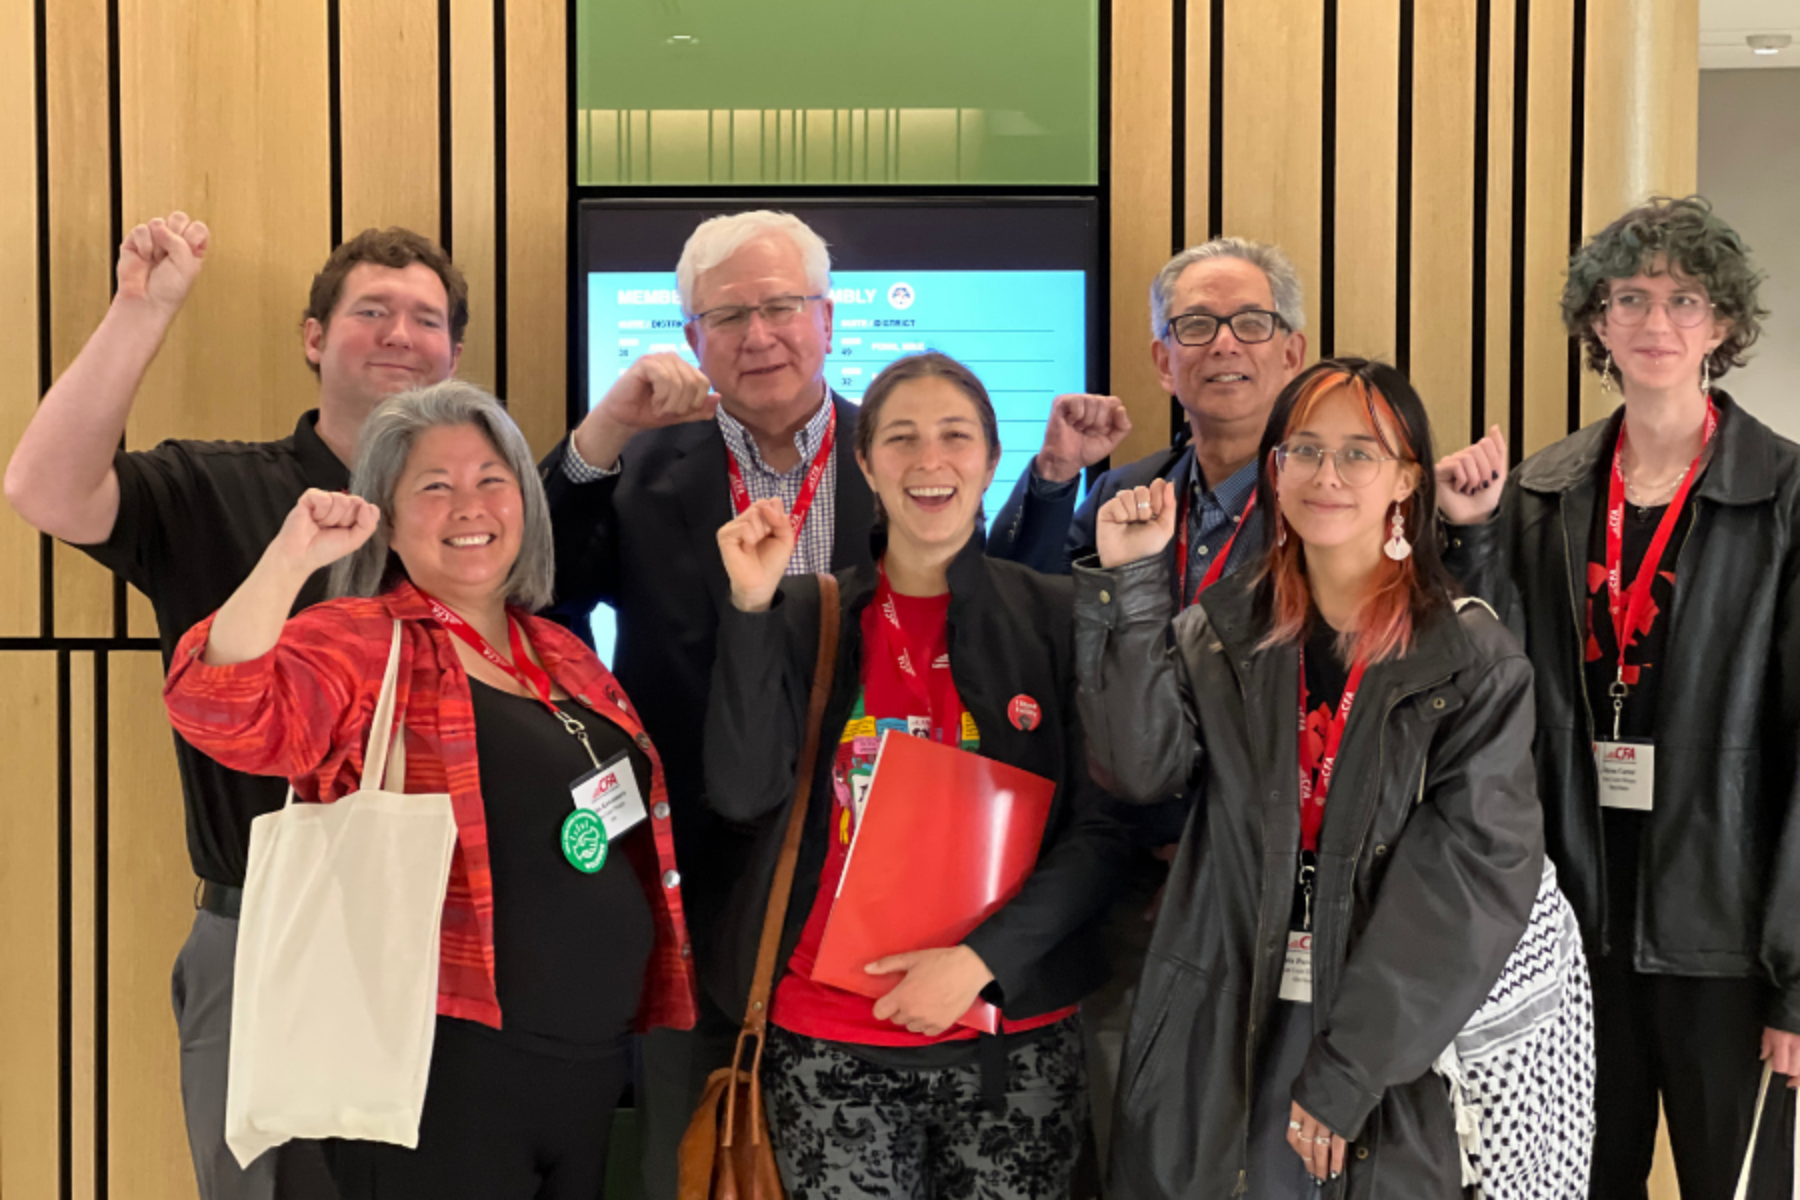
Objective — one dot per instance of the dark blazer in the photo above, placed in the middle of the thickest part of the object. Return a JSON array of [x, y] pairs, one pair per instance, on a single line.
[[645, 541], [1010, 634], [1048, 534]]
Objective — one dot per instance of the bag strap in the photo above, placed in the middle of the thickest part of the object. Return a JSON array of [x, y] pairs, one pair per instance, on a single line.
[[756, 1014], [379, 767], [1743, 1184]]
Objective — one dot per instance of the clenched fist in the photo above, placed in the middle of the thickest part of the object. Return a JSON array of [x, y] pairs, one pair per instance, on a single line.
[[322, 528], [656, 390], [1470, 481], [756, 547], [1083, 430], [1136, 523], [159, 261]]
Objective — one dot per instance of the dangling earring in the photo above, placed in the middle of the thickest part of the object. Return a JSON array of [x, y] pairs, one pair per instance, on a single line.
[[1280, 531], [1706, 376], [1606, 375], [1397, 547]]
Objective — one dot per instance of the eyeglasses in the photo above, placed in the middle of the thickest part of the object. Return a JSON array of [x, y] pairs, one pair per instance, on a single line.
[[1251, 326], [1355, 466], [1685, 309], [735, 318]]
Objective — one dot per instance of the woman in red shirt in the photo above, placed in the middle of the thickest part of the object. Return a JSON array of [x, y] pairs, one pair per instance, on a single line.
[[551, 954], [891, 1096]]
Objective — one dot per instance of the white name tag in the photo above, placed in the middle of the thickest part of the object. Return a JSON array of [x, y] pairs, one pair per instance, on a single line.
[[1296, 968], [1627, 774], [611, 793]]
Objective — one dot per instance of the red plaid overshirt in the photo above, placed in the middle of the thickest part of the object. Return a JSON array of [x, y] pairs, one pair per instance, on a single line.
[[303, 711]]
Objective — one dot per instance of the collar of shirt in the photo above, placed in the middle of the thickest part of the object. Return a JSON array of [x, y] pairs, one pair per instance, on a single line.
[[743, 446], [323, 469], [1232, 494]]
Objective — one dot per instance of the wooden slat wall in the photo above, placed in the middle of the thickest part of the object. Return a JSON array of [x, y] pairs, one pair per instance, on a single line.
[[226, 111]]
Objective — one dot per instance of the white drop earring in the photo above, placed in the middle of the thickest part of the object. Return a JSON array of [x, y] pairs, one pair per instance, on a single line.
[[1397, 547], [1606, 375], [1706, 376]]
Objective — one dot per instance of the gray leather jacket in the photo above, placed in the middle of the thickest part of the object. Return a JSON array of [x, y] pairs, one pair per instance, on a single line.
[[1429, 860]]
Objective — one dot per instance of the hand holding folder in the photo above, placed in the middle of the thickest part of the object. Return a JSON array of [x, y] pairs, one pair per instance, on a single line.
[[946, 838]]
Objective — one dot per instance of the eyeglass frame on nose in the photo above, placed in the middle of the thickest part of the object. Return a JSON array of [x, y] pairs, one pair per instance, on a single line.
[[1284, 453], [1170, 327], [1705, 308], [772, 314]]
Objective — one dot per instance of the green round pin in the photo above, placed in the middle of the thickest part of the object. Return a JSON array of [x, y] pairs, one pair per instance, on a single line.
[[584, 841]]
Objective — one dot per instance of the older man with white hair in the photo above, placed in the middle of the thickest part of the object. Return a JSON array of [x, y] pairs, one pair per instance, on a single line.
[[637, 495]]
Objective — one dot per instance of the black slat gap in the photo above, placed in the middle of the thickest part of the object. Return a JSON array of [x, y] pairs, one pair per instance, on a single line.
[[446, 173], [500, 238], [1403, 201], [1178, 85], [65, 925], [121, 606], [1328, 97], [1521, 115], [1577, 177], [334, 118], [575, 391], [1100, 287], [102, 924], [1215, 120], [40, 41], [1478, 267], [94, 644], [115, 171]]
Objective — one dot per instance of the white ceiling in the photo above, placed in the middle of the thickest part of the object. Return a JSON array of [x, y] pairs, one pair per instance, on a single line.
[[1724, 24]]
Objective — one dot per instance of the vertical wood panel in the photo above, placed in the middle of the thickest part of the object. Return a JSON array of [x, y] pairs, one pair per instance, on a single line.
[[1196, 191], [1142, 170], [1368, 173], [18, 299], [29, 1118], [537, 219], [223, 116], [1547, 224], [389, 84], [1273, 117], [1443, 216], [81, 251], [472, 176], [150, 891], [1500, 318]]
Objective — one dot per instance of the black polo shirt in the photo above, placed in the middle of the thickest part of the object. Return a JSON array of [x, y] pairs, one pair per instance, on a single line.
[[194, 518]]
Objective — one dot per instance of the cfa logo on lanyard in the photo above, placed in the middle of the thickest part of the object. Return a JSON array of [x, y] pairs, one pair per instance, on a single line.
[[1627, 774]]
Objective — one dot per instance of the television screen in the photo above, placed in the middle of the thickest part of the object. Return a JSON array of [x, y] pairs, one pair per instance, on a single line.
[[1008, 286]]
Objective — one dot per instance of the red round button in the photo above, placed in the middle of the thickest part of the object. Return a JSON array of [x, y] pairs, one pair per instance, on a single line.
[[1024, 712]]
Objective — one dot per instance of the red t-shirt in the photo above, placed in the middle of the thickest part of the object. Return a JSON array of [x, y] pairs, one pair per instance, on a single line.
[[888, 702]]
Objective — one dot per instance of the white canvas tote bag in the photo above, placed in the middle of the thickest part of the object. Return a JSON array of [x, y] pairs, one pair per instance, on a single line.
[[337, 958]]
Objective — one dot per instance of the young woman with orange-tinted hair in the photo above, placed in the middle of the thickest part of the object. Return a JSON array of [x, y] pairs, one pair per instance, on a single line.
[[1365, 847]]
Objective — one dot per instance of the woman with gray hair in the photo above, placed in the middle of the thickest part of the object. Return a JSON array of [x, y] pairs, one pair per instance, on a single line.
[[446, 533]]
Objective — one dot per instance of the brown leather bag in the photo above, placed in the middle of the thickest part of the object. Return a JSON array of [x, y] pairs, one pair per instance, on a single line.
[[725, 1154]]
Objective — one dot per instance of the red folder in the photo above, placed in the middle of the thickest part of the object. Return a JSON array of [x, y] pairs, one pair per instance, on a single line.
[[946, 837]]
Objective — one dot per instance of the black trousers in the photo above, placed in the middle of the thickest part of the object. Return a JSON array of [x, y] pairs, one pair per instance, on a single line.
[[501, 1123]]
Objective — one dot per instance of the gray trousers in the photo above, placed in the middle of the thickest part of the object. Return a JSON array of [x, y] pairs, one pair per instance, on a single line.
[[201, 990]]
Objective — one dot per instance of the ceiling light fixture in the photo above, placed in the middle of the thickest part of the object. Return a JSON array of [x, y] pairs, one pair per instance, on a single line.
[[1769, 43]]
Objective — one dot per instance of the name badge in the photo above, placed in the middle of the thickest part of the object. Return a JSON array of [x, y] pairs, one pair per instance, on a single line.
[[1627, 774], [611, 793], [1296, 968]]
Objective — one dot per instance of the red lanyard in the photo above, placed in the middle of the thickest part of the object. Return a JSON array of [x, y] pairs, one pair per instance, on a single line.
[[1315, 773], [1630, 603], [1218, 564], [892, 638], [809, 487], [529, 675]]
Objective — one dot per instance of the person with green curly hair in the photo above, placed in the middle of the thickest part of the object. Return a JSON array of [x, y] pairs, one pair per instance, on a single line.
[[1651, 564]]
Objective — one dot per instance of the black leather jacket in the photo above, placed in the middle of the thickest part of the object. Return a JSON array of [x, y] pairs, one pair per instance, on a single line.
[[1429, 860], [1721, 854]]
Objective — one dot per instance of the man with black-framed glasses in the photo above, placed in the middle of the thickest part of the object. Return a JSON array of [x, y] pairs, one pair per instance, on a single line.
[[1226, 321]]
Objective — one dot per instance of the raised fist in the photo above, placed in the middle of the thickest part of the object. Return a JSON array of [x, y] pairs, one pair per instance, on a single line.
[[1136, 523], [1469, 482], [1083, 430], [159, 261], [756, 547], [324, 527]]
